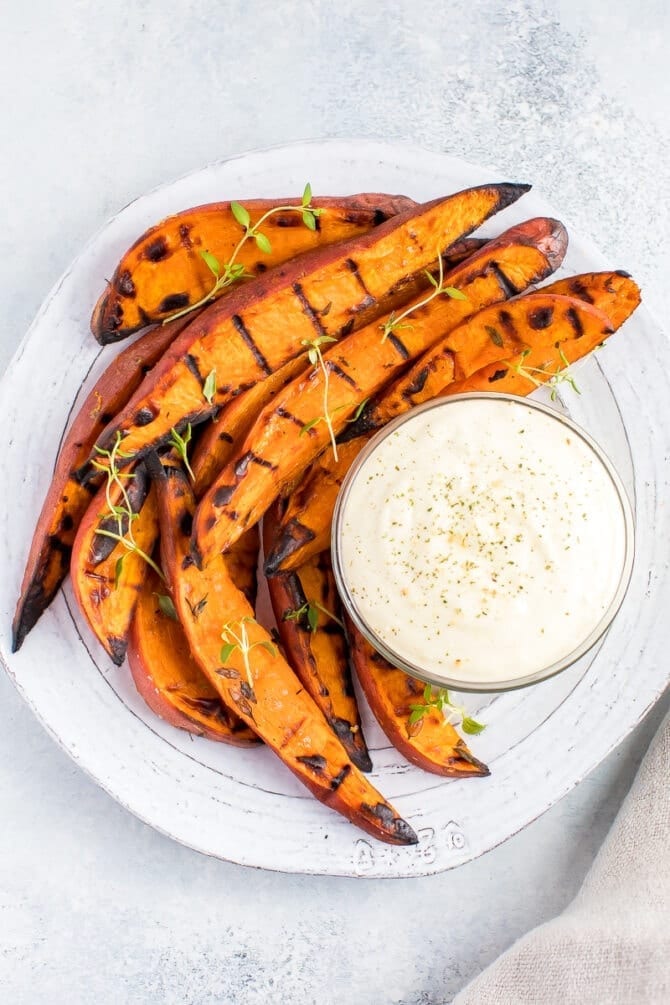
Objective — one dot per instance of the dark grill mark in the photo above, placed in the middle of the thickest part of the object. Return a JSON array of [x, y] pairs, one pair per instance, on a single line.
[[581, 291], [157, 250], [173, 302], [223, 495], [307, 309], [576, 322], [417, 384], [353, 268], [57, 545], [339, 372], [104, 418], [144, 417], [260, 268], [226, 437], [248, 692], [284, 413], [498, 375], [192, 364], [67, 523], [186, 524], [504, 282], [185, 235], [118, 649], [125, 285], [379, 217], [507, 322], [347, 328], [249, 342], [290, 220], [399, 346], [316, 762], [540, 318], [251, 458], [339, 777]]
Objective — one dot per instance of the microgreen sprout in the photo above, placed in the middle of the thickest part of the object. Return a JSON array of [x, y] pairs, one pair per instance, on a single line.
[[561, 376], [180, 445], [396, 322], [309, 612], [453, 714], [232, 271], [236, 639], [121, 511]]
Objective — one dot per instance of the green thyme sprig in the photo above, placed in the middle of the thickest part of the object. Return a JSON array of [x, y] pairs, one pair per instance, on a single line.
[[309, 612], [315, 356], [396, 322], [180, 446], [122, 512], [563, 376], [453, 714], [233, 271], [236, 639]]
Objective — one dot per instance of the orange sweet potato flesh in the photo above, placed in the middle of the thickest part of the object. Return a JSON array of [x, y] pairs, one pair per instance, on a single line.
[[69, 496], [275, 452], [317, 651], [107, 596], [163, 271], [170, 681], [612, 296], [220, 438], [431, 743], [615, 294], [250, 333], [266, 695]]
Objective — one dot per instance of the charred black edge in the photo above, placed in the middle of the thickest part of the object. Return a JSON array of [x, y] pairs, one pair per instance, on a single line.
[[291, 537], [358, 753], [506, 285], [483, 771], [394, 825], [117, 649], [31, 607]]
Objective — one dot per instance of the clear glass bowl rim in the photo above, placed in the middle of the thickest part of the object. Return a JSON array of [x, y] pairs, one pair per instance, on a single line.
[[453, 682]]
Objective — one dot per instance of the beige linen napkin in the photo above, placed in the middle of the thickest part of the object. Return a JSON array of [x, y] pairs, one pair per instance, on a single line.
[[611, 946]]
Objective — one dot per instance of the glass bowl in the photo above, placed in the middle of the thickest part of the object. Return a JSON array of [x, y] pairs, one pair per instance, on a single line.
[[456, 683]]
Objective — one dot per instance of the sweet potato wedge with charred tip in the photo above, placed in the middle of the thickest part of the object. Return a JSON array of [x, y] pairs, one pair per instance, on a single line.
[[307, 609], [107, 583], [309, 509], [221, 437], [69, 496], [164, 270], [250, 333], [275, 451], [431, 743], [316, 490], [168, 678], [247, 670]]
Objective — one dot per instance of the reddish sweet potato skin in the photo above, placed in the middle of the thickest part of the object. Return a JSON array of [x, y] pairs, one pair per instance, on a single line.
[[170, 681], [69, 496]]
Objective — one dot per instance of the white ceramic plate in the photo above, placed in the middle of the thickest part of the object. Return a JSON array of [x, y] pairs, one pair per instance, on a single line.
[[244, 805]]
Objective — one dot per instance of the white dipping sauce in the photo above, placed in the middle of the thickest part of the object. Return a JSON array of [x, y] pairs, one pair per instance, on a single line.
[[482, 540]]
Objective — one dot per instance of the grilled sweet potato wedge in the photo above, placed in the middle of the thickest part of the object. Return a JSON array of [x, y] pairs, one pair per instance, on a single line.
[[314, 495], [309, 509], [254, 679], [107, 578], [276, 451], [220, 438], [307, 609], [69, 496], [168, 678], [164, 272], [431, 743], [253, 331], [615, 294]]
